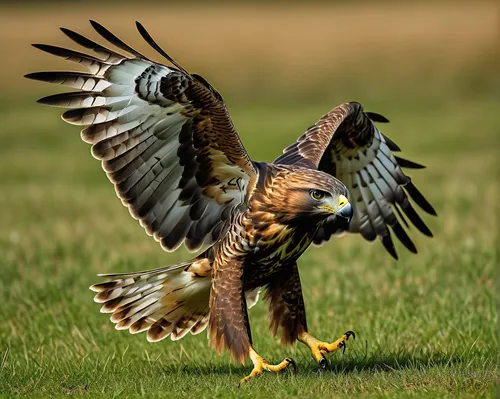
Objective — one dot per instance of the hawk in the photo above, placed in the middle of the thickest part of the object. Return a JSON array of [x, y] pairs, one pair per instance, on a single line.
[[167, 143]]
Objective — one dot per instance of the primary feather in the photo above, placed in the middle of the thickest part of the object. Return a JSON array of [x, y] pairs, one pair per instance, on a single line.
[[346, 144], [164, 137], [167, 143]]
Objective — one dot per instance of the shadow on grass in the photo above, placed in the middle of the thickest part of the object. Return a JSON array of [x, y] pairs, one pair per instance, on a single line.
[[382, 362], [393, 362]]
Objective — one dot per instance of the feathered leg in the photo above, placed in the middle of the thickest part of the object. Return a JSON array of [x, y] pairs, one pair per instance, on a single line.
[[286, 306], [228, 326]]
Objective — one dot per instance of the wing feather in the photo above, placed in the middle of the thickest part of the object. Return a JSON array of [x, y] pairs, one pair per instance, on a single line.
[[110, 56], [165, 138], [96, 66], [110, 37], [346, 144]]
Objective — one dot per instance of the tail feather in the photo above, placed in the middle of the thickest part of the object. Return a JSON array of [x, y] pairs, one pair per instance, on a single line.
[[200, 325], [168, 301]]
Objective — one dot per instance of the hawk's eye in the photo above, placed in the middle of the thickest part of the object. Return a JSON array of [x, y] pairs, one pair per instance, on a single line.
[[317, 195]]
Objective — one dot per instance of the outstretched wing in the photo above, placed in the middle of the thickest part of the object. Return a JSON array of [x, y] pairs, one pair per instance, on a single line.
[[346, 144], [164, 137]]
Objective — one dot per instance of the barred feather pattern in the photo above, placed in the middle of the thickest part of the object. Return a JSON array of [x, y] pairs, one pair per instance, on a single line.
[[164, 137], [229, 326], [346, 144], [286, 305], [169, 301]]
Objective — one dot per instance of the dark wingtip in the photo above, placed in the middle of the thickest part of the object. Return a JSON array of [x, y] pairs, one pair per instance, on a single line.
[[432, 211], [391, 144], [377, 117], [99, 28], [110, 37], [142, 30], [149, 39], [415, 219], [405, 163], [419, 199], [404, 238], [43, 100], [66, 31], [140, 27], [389, 245]]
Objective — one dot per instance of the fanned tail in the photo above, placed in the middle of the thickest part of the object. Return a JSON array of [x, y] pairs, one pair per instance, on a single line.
[[172, 300]]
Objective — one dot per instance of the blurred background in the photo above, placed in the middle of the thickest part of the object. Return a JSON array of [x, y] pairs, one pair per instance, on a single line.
[[431, 67]]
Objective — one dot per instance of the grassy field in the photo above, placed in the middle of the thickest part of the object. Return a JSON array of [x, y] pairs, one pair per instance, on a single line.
[[426, 325]]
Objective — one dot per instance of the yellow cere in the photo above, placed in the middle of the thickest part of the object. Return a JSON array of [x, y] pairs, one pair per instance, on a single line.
[[342, 201]]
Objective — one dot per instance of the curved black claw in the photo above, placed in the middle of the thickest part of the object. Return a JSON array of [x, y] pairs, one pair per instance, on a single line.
[[342, 345], [323, 363], [292, 363], [348, 334]]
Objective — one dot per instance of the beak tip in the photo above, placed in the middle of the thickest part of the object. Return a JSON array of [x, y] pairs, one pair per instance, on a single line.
[[346, 211]]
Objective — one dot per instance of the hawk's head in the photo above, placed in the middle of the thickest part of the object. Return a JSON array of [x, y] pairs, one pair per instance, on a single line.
[[298, 194]]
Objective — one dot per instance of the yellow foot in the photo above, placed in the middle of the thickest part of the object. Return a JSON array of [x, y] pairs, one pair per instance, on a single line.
[[260, 364], [319, 349]]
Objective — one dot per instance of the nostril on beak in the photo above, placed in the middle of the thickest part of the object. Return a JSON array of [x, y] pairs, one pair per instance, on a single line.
[[346, 211], [342, 201]]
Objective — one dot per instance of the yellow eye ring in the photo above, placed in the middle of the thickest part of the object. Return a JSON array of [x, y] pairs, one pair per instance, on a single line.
[[317, 195]]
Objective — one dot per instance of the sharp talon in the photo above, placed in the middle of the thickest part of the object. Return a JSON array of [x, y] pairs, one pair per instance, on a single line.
[[261, 365], [242, 382], [319, 349], [292, 363]]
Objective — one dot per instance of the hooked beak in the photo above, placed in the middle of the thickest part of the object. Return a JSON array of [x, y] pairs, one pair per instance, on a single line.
[[343, 208], [346, 212]]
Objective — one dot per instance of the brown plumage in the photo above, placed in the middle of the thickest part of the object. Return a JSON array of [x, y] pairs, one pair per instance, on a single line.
[[167, 143]]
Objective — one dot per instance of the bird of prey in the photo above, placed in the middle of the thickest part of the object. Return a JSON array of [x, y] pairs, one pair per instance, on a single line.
[[167, 143]]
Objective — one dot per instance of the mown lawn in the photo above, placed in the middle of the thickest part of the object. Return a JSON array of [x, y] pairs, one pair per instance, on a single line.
[[426, 325]]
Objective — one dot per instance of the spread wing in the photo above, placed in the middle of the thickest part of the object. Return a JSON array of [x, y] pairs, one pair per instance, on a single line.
[[164, 137], [346, 144]]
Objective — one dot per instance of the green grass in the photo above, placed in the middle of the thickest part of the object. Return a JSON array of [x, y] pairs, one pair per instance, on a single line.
[[426, 325]]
